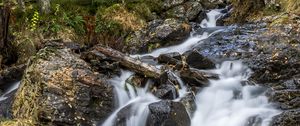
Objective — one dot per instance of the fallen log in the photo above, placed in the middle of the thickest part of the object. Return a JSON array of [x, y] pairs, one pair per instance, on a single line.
[[191, 76], [130, 63]]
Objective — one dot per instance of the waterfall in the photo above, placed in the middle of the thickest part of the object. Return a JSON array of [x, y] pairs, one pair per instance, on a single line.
[[9, 90], [226, 102]]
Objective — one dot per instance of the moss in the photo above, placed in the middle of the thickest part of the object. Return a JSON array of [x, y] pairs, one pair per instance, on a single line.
[[27, 100], [118, 13], [17, 122], [281, 20], [244, 9], [142, 9], [291, 5]]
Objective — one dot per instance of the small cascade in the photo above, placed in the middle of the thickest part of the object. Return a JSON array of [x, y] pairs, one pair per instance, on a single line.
[[9, 90], [225, 102], [193, 39]]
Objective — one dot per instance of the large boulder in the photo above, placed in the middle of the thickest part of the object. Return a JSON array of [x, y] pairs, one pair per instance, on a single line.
[[59, 88], [187, 11], [158, 33], [168, 113], [171, 3]]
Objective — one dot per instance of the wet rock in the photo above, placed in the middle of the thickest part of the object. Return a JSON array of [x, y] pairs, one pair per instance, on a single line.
[[189, 102], [149, 59], [177, 12], [168, 77], [254, 121], [137, 80], [201, 16], [196, 60], [169, 57], [287, 118], [166, 91], [194, 77], [11, 74], [171, 3], [101, 63], [193, 8], [212, 4], [158, 33], [279, 63], [168, 113], [59, 88], [292, 84], [187, 11], [286, 99], [123, 115]]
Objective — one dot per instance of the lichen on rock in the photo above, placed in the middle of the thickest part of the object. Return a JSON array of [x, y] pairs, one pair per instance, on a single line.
[[59, 88]]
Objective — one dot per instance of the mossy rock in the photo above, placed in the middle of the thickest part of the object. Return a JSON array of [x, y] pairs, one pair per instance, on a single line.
[[17, 122], [120, 14], [58, 88], [245, 8]]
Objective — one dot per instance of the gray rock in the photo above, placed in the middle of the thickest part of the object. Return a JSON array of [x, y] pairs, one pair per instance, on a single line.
[[168, 113], [187, 11], [194, 77], [196, 60], [171, 3], [167, 92], [286, 99], [287, 118], [158, 33], [189, 102], [59, 88], [169, 58]]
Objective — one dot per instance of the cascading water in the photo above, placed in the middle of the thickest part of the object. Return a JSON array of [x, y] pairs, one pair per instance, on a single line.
[[9, 90], [226, 102]]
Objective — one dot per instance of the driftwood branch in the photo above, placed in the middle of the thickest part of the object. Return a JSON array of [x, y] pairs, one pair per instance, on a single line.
[[130, 63]]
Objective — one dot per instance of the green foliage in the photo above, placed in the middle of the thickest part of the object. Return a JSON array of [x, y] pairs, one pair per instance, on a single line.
[[110, 27], [75, 21], [141, 9], [34, 21], [52, 27]]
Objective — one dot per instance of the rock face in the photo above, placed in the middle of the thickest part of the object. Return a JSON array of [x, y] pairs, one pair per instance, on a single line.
[[158, 33], [287, 118], [59, 88], [168, 113]]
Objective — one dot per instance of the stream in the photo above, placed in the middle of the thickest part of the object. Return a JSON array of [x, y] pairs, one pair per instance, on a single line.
[[227, 101]]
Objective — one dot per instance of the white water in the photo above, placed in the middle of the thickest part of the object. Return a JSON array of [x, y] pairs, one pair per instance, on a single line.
[[217, 105], [227, 103], [9, 90]]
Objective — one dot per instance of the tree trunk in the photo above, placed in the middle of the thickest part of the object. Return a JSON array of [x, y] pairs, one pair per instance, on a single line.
[[130, 63], [45, 7], [4, 22]]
